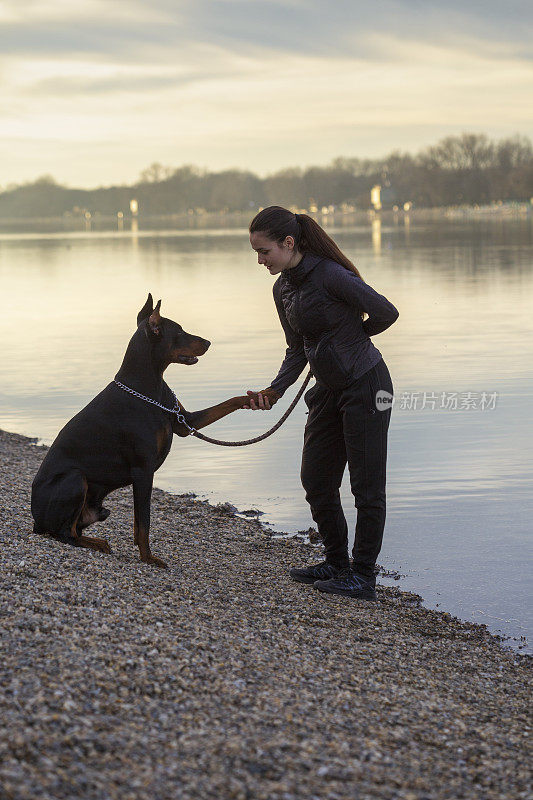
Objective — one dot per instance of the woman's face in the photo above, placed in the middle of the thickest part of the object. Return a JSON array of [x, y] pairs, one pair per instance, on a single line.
[[274, 256]]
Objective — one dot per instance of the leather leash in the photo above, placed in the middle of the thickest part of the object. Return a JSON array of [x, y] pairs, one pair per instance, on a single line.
[[181, 419]]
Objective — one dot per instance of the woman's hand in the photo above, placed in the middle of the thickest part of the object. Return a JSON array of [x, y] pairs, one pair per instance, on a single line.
[[263, 400]]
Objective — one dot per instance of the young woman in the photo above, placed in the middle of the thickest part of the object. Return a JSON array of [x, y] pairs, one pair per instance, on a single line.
[[322, 302]]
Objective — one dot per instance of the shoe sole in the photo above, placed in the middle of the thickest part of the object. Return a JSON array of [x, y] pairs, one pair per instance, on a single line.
[[299, 579], [358, 595]]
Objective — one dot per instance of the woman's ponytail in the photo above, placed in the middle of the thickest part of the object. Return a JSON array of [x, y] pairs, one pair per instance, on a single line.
[[314, 239]]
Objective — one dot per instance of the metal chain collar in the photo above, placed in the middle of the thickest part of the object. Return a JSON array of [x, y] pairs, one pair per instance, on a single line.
[[176, 410]]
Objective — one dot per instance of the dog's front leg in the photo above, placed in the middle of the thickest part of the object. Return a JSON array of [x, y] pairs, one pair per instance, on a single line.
[[199, 419], [142, 493]]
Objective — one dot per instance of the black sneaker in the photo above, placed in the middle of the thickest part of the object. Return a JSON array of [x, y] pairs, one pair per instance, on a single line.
[[350, 585], [316, 572]]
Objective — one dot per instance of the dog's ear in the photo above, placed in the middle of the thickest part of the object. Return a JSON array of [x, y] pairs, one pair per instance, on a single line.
[[155, 320], [146, 310]]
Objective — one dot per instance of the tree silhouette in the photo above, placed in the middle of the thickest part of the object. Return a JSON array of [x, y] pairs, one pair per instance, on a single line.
[[465, 169]]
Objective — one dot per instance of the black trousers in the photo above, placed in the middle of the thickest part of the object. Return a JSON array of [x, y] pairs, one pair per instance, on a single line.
[[347, 426]]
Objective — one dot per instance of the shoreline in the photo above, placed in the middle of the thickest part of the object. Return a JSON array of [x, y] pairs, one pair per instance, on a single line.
[[213, 221], [220, 677], [310, 539]]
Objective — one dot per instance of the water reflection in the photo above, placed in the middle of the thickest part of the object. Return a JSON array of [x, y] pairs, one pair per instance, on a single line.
[[376, 235]]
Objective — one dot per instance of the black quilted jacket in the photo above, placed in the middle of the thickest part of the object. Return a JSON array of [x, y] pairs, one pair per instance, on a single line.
[[319, 303]]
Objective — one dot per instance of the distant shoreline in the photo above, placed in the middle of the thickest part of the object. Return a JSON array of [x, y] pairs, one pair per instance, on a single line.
[[239, 219]]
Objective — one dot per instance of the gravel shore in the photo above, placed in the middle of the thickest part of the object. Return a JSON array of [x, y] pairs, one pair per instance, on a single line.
[[220, 678]]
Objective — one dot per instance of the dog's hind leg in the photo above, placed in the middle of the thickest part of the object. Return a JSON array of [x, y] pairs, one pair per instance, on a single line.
[[93, 543], [88, 515], [71, 496]]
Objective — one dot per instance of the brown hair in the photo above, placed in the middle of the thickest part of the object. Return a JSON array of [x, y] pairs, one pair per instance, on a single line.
[[277, 223]]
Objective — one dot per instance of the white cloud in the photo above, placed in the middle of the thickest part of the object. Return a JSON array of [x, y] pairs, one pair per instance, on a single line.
[[99, 108], [42, 11]]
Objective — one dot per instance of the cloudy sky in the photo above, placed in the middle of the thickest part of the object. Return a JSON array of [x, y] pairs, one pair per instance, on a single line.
[[93, 91]]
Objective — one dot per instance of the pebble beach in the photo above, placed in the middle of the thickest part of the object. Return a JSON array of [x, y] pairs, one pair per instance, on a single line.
[[221, 678]]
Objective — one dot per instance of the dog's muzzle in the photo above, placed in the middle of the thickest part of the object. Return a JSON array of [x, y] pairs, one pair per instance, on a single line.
[[186, 360]]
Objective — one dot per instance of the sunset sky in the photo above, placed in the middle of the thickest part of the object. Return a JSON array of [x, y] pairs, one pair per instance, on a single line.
[[94, 91]]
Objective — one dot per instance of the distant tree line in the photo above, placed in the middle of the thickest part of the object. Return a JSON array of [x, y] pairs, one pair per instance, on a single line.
[[467, 169]]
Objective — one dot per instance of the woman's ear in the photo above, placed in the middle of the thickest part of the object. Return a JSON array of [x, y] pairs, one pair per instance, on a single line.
[[289, 242]]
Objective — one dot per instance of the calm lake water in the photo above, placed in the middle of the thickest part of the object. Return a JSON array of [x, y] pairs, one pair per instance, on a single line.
[[459, 477]]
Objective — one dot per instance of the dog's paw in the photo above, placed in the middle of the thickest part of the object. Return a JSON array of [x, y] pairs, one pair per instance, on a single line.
[[157, 562], [243, 401]]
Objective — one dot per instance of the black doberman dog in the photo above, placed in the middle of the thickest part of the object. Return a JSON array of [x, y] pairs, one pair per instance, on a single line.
[[120, 440]]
